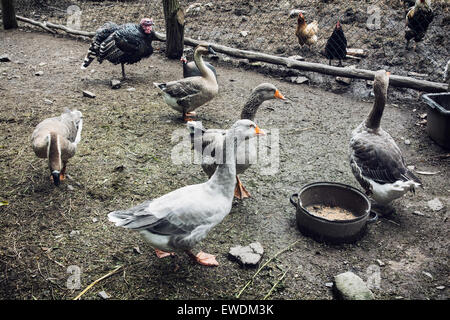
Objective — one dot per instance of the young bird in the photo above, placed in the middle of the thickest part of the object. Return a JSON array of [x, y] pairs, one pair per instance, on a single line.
[[306, 33], [336, 47], [418, 19], [56, 139]]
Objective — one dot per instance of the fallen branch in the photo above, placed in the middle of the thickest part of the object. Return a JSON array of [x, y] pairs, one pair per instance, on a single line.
[[396, 81], [263, 266], [275, 285], [36, 23], [96, 281]]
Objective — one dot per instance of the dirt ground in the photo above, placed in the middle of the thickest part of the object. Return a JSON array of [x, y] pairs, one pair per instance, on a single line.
[[124, 158]]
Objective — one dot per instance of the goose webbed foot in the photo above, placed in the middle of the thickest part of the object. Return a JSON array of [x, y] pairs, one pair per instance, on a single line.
[[239, 191], [382, 210], [62, 175], [187, 115], [203, 258], [162, 254]]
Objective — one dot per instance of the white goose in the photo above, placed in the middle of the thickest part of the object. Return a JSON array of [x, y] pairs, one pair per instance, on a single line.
[[56, 139], [375, 159], [180, 219]]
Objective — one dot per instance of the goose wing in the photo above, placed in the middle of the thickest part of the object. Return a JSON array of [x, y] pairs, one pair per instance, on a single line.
[[380, 161]]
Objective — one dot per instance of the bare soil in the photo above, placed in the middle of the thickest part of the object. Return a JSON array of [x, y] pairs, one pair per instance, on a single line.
[[124, 158]]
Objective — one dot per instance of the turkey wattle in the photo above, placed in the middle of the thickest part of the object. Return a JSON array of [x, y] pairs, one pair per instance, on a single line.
[[124, 44]]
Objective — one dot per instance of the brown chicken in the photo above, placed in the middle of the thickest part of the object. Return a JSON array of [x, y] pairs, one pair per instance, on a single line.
[[306, 33]]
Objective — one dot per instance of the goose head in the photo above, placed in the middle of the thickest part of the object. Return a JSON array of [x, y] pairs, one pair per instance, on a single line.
[[204, 49], [183, 60], [246, 129], [267, 91], [381, 82], [147, 25]]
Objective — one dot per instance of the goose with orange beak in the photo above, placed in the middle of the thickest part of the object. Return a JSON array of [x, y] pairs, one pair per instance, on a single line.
[[212, 139], [177, 221]]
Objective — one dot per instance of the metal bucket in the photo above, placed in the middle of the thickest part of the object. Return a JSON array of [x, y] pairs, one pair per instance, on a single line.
[[335, 195]]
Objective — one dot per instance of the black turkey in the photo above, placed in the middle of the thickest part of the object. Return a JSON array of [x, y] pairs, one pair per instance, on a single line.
[[124, 44], [336, 47]]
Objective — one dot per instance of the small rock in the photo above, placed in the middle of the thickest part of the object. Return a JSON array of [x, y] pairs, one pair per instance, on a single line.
[[115, 84], [427, 274], [344, 80], [39, 73], [380, 263], [4, 58], [329, 284], [422, 116], [131, 89], [70, 188], [104, 295], [47, 101], [88, 94], [247, 256], [42, 64], [411, 167], [94, 220], [418, 213], [74, 233], [407, 142], [244, 33], [435, 204], [352, 287], [299, 80], [137, 250], [440, 287]]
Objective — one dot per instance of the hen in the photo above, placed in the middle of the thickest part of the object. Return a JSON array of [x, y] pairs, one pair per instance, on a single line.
[[336, 47], [124, 44], [306, 33], [418, 19]]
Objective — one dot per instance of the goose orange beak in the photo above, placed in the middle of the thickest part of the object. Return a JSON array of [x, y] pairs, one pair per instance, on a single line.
[[388, 73], [279, 95], [259, 132]]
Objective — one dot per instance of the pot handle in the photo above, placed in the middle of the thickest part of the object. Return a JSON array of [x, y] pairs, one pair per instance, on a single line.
[[291, 199], [374, 218]]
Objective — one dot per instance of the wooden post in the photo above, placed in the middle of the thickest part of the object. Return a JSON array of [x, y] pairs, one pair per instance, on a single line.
[[9, 14], [174, 16]]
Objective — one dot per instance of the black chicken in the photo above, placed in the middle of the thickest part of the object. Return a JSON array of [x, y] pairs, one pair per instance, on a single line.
[[124, 44], [336, 47], [418, 19]]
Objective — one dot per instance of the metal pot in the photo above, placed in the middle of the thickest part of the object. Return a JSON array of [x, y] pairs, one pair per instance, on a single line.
[[336, 195]]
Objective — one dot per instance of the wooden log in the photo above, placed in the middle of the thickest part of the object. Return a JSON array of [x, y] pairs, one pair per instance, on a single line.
[[396, 81], [174, 17], [9, 14], [35, 23]]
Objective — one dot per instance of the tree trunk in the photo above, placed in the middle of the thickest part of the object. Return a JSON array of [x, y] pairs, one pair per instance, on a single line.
[[9, 14], [174, 16]]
